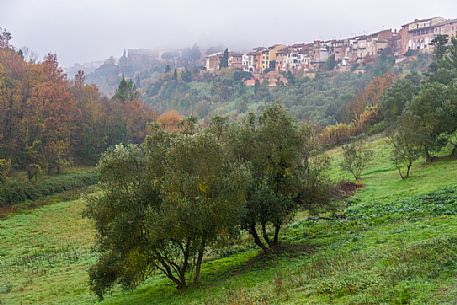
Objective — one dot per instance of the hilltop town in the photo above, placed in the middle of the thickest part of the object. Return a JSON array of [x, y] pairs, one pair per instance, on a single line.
[[343, 54], [272, 64]]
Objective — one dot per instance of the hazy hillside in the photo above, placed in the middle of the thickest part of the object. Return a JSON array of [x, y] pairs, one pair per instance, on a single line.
[[320, 99]]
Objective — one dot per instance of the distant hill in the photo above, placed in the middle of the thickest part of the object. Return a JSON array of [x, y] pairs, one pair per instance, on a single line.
[[87, 68]]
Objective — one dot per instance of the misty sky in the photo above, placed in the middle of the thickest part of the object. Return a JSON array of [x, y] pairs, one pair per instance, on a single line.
[[81, 31]]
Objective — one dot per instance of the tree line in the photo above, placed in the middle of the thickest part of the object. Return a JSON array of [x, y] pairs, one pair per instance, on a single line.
[[50, 121], [164, 202], [420, 111]]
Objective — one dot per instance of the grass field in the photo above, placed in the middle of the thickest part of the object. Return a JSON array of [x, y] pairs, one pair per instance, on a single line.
[[397, 245]]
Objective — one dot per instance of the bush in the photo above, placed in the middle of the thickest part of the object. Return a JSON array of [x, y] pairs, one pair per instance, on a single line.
[[5, 168]]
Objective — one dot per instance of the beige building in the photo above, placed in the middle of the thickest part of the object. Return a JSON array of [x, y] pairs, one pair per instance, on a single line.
[[235, 60], [418, 35], [368, 47], [258, 64], [447, 28], [273, 54], [212, 61], [294, 58]]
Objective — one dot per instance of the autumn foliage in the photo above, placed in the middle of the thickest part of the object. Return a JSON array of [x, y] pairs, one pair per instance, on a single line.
[[359, 114], [47, 119], [170, 120]]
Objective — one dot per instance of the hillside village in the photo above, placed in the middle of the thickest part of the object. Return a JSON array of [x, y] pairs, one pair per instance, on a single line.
[[272, 64], [267, 63]]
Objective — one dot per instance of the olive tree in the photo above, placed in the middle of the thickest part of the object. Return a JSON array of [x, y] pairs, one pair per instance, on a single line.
[[433, 118], [406, 146], [280, 155], [161, 204], [356, 158]]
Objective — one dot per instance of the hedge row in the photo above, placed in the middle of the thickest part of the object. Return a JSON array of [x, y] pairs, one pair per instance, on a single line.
[[14, 192]]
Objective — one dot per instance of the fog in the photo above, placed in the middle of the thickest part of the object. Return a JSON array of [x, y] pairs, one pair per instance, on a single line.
[[81, 31]]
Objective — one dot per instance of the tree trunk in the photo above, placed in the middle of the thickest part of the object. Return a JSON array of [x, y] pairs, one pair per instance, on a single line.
[[185, 265], [182, 279], [252, 230], [265, 234], [409, 169], [276, 238], [428, 157], [399, 172], [166, 269], [199, 261]]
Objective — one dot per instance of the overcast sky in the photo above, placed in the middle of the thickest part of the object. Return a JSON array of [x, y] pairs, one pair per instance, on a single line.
[[81, 31]]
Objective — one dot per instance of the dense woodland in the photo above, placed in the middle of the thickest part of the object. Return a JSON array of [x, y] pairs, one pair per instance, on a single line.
[[49, 121]]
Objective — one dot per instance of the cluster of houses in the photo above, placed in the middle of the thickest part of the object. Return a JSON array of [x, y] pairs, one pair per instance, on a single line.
[[344, 53]]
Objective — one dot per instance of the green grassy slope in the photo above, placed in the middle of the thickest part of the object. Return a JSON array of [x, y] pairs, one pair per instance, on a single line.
[[44, 256], [397, 245]]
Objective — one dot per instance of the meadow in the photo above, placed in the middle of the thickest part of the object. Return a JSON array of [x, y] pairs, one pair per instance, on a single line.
[[396, 244]]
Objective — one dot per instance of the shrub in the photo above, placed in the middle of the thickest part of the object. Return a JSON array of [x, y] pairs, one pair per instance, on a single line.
[[5, 168], [14, 192]]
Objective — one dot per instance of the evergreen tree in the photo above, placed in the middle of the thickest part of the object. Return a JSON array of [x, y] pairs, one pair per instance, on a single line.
[[449, 59], [398, 96], [195, 53], [126, 92], [224, 60], [440, 44], [186, 76], [5, 38], [286, 172], [405, 145], [331, 63]]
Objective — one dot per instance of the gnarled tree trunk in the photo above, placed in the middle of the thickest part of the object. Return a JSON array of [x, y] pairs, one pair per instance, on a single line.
[[253, 231]]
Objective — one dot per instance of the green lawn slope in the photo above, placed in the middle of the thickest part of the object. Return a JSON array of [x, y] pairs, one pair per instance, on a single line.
[[396, 245]]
